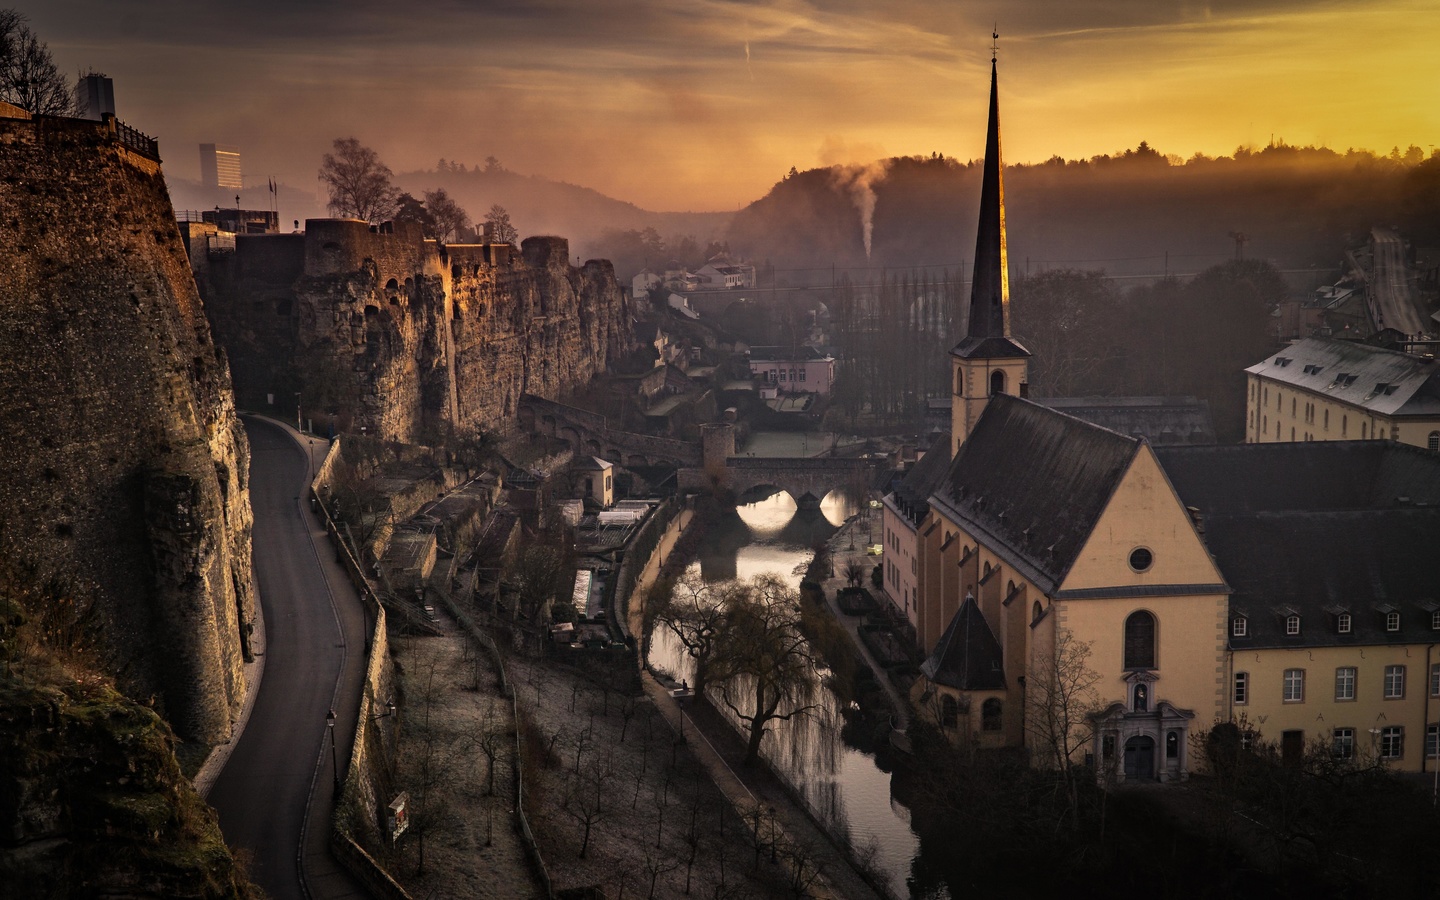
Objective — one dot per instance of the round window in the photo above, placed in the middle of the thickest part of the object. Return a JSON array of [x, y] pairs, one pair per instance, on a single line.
[[1141, 559]]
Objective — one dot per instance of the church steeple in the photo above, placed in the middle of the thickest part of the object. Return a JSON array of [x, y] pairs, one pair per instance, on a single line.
[[990, 287], [988, 360]]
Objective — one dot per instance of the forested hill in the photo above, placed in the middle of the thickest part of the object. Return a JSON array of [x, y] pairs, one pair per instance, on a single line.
[[1298, 207], [539, 205]]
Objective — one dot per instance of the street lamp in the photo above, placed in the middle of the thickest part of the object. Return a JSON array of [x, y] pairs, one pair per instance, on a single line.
[[299, 425], [334, 764]]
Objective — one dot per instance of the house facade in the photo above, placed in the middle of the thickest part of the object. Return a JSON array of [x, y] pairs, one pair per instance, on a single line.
[[794, 369]]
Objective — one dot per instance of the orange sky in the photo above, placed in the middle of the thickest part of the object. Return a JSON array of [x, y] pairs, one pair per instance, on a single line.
[[703, 104]]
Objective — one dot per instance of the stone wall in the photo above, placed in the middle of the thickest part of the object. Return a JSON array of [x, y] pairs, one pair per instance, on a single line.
[[404, 336], [124, 489]]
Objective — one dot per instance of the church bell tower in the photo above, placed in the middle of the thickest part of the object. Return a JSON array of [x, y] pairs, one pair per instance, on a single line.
[[987, 361]]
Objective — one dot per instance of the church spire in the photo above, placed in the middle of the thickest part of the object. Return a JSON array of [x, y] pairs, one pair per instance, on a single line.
[[990, 286]]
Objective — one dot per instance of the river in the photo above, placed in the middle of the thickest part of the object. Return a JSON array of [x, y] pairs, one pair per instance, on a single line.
[[841, 785]]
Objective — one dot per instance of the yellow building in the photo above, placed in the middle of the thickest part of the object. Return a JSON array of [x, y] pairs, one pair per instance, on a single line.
[[1330, 551], [1319, 389]]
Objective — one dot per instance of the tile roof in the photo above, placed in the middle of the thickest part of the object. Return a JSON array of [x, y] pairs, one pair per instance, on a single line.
[[912, 495], [989, 348], [967, 656], [1386, 382], [1031, 483]]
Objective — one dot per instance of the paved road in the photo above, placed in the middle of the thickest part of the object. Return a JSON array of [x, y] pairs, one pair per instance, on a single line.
[[1394, 305], [279, 770]]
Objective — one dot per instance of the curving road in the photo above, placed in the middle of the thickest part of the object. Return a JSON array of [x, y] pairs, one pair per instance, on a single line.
[[279, 773]]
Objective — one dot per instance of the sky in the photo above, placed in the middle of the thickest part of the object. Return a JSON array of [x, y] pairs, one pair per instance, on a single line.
[[704, 104]]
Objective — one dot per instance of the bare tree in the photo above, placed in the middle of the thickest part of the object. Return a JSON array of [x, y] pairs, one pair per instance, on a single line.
[[1059, 698], [359, 184], [763, 665], [28, 75], [501, 231], [585, 798], [695, 613], [450, 220]]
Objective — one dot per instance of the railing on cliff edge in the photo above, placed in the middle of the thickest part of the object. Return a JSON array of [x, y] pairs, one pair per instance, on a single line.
[[343, 845], [133, 138]]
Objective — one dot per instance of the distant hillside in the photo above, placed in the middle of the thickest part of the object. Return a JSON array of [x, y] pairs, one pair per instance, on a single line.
[[1296, 207], [538, 205]]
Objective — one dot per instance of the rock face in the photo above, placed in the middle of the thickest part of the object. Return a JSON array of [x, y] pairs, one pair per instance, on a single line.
[[124, 486], [381, 328]]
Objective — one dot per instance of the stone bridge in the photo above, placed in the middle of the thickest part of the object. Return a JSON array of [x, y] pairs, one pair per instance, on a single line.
[[590, 433], [807, 479]]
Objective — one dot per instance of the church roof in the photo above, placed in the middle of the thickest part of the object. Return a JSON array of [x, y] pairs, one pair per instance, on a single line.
[[989, 348], [1031, 483], [1387, 382], [967, 656], [912, 495]]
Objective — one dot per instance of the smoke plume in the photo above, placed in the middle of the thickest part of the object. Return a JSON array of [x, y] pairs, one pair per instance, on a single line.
[[859, 182]]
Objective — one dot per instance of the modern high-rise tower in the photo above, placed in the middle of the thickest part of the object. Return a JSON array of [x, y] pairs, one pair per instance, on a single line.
[[220, 166]]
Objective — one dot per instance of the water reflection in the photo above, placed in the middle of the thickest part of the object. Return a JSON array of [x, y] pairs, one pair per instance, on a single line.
[[840, 784]]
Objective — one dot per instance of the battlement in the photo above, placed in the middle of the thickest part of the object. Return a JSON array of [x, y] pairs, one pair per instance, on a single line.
[[16, 122]]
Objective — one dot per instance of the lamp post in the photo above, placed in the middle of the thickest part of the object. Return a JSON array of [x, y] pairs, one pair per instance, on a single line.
[[299, 426], [334, 764]]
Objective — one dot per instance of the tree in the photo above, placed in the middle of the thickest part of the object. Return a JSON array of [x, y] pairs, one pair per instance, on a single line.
[[695, 612], [359, 184], [498, 221], [450, 220], [1059, 698], [410, 209], [763, 665], [493, 165], [28, 75]]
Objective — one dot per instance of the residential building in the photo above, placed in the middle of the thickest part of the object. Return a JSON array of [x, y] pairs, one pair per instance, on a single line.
[[794, 369], [722, 274], [904, 513], [1321, 389], [598, 477]]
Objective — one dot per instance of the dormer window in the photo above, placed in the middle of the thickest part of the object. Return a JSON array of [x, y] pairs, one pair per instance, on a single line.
[[1342, 623], [1435, 620], [1392, 621], [1239, 626], [1292, 624]]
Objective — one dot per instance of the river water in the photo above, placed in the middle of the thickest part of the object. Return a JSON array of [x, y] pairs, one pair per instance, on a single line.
[[842, 785]]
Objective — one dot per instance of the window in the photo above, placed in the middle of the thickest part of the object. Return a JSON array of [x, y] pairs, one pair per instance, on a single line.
[[1345, 683], [1292, 624], [802, 374], [1344, 425], [1342, 623], [1433, 441], [1342, 743], [1392, 742], [1432, 741], [1392, 621], [1242, 688], [1140, 641], [949, 712], [1435, 679], [1141, 559], [997, 383], [991, 714], [1394, 682], [1238, 626], [1435, 620], [1294, 686], [1172, 745]]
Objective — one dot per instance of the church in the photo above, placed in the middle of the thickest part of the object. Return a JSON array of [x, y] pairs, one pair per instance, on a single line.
[[1091, 597]]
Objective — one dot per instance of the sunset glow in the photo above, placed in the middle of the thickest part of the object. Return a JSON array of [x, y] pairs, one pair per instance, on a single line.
[[704, 104]]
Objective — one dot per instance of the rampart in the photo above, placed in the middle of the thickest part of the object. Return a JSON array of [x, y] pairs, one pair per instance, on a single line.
[[375, 327], [124, 505]]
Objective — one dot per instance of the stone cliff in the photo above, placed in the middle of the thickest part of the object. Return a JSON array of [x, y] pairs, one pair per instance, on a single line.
[[124, 511], [376, 327]]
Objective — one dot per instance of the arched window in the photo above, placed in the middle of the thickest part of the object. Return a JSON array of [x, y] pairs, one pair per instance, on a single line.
[[991, 714], [949, 712], [997, 383], [1140, 641], [1433, 442], [1036, 612], [959, 381]]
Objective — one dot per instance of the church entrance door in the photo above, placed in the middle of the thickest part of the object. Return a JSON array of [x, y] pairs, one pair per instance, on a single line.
[[1140, 759]]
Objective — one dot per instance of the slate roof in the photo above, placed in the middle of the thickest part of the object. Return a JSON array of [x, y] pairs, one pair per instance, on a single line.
[[912, 494], [967, 656], [1160, 420], [1316, 529], [989, 348], [787, 354], [1031, 483], [1311, 475], [1386, 382]]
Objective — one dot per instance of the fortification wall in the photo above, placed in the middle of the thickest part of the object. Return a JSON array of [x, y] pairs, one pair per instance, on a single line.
[[123, 500], [407, 337]]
